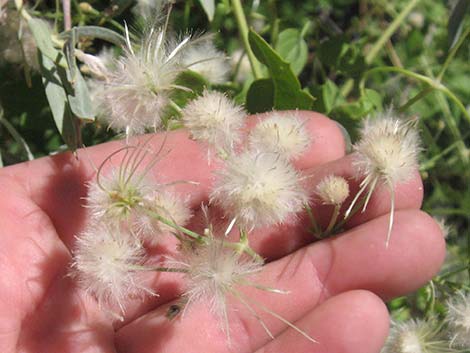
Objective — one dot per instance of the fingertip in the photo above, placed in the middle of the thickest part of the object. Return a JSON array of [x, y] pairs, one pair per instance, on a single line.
[[354, 321], [327, 138]]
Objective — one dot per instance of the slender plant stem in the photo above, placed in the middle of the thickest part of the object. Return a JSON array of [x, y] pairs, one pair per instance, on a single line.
[[243, 28], [173, 225], [158, 269], [313, 222], [16, 135], [67, 14], [356, 208], [452, 53], [421, 78], [390, 30], [416, 98], [333, 220]]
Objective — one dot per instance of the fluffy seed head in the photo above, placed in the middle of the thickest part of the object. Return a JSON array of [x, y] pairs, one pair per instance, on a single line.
[[415, 336], [104, 264], [214, 271], [137, 91], [259, 188], [388, 149], [206, 60], [333, 190], [115, 198], [458, 320], [282, 133], [167, 204], [215, 119]]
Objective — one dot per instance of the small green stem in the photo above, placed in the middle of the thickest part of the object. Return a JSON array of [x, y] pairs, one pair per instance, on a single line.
[[389, 31], [243, 246], [157, 269], [432, 83], [452, 53], [453, 272], [356, 208], [333, 220], [243, 28], [173, 225], [313, 222], [415, 99]]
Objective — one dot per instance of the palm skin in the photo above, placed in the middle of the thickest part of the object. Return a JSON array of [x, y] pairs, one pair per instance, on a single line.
[[336, 286]]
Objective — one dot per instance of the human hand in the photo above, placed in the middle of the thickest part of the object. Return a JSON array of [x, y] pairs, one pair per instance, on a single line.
[[336, 285]]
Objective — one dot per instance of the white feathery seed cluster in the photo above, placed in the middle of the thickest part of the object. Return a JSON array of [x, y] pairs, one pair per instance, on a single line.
[[215, 119], [167, 204], [117, 197], [388, 149], [137, 91], [214, 271], [458, 320], [415, 336], [259, 189], [387, 153], [281, 133], [207, 61], [106, 264], [332, 190]]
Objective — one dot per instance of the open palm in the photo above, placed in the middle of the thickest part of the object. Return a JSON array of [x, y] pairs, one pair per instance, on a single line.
[[336, 285]]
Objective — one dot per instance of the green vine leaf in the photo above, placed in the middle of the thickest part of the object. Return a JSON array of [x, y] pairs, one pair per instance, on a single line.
[[288, 93]]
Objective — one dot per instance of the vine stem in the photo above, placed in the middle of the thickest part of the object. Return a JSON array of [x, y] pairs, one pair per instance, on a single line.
[[434, 84], [243, 28], [67, 14], [389, 31]]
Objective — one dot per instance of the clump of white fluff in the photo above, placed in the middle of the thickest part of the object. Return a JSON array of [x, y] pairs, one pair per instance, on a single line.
[[258, 189], [415, 336], [333, 190], [387, 153], [458, 320], [215, 119], [107, 263], [117, 197], [213, 272], [137, 91], [388, 149], [206, 60], [168, 205], [282, 133]]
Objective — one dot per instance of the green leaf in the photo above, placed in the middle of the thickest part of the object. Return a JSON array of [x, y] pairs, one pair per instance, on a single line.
[[193, 81], [327, 96], [456, 18], [209, 8], [260, 96], [287, 90], [80, 100], [78, 94], [56, 94], [94, 32], [43, 37], [293, 49]]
